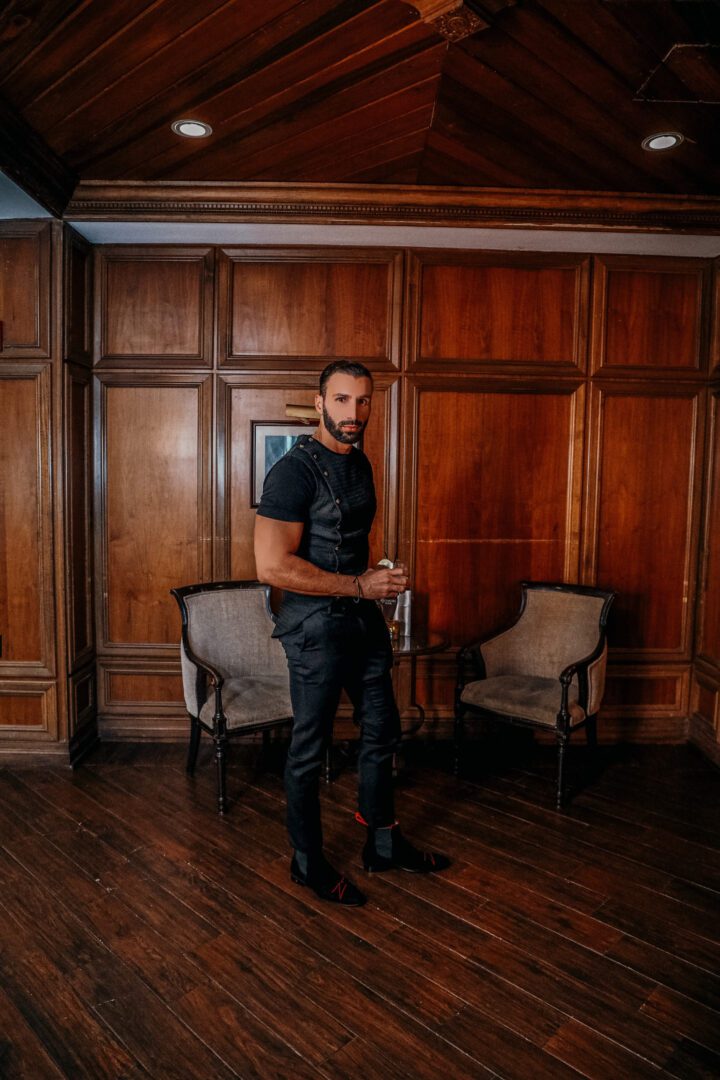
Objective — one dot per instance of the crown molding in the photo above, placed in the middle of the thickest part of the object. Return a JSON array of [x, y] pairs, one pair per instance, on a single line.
[[28, 160], [97, 200]]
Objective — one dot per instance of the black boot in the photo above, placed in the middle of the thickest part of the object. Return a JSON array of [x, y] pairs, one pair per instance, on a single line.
[[324, 880], [388, 849]]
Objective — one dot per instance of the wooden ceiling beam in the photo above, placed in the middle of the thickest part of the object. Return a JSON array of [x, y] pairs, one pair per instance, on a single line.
[[28, 160]]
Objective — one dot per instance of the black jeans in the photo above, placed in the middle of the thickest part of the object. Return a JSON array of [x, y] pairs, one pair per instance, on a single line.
[[343, 646]]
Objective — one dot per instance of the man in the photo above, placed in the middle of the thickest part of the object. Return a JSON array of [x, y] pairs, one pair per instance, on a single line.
[[311, 540]]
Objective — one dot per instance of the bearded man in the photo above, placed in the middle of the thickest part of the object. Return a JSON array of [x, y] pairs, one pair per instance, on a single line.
[[311, 540]]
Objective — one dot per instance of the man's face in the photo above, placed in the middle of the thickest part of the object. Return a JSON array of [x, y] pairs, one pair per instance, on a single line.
[[345, 407]]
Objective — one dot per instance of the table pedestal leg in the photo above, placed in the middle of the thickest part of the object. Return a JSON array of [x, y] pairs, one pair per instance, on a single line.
[[412, 713]]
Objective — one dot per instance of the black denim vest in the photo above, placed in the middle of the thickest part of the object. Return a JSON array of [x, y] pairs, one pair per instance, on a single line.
[[340, 517]]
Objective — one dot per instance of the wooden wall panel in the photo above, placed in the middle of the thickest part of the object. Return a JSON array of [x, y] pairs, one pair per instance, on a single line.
[[244, 400], [496, 499], [714, 319], [285, 309], [141, 699], [26, 568], [649, 314], [647, 690], [477, 310], [154, 307], [28, 710], [79, 510], [642, 537], [143, 687], [77, 328], [25, 255], [153, 513], [704, 728], [82, 699], [707, 703], [708, 644]]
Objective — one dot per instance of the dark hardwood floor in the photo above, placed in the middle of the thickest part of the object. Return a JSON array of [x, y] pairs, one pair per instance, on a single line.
[[141, 935]]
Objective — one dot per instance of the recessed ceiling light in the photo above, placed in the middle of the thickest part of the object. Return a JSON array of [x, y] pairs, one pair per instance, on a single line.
[[191, 129], [662, 140]]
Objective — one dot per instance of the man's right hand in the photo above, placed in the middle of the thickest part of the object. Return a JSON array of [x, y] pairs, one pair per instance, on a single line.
[[383, 583]]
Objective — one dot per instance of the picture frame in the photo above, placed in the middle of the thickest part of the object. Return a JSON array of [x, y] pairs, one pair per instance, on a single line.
[[270, 441]]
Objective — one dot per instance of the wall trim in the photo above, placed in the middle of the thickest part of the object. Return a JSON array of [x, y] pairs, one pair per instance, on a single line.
[[391, 204]]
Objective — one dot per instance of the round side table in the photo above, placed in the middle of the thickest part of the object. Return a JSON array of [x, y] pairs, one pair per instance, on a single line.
[[413, 645]]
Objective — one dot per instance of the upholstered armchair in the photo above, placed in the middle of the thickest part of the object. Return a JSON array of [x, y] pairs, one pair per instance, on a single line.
[[235, 676], [545, 671]]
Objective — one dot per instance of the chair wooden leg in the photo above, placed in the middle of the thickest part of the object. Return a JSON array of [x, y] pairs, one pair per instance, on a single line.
[[458, 732], [562, 741], [265, 752], [220, 753], [194, 745]]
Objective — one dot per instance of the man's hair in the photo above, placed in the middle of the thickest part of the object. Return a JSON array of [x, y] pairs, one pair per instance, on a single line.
[[346, 367]]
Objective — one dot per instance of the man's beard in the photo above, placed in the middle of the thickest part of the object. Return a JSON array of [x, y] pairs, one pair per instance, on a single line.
[[338, 432]]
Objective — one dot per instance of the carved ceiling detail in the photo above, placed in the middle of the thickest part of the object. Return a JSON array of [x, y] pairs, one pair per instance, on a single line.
[[458, 19]]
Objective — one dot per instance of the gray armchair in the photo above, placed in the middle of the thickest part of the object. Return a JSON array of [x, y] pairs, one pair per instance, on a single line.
[[545, 671], [235, 676]]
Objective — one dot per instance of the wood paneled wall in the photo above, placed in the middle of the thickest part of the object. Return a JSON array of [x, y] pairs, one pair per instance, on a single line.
[[47, 662], [536, 415], [28, 661], [78, 462], [705, 716]]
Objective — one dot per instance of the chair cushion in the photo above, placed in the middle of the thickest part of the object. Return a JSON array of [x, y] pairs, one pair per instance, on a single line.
[[251, 700], [523, 697]]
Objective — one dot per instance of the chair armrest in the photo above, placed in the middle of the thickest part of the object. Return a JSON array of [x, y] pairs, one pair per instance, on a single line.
[[581, 669], [567, 673], [215, 677]]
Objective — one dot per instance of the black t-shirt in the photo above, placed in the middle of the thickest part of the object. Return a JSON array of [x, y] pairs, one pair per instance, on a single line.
[[333, 495]]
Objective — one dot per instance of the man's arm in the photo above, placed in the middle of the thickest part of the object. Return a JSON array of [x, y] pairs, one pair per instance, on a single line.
[[276, 562]]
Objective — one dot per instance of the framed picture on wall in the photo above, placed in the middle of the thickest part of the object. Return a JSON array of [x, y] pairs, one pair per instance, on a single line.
[[269, 443]]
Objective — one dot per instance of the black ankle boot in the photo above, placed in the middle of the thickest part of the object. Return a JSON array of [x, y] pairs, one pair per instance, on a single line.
[[326, 882], [388, 849]]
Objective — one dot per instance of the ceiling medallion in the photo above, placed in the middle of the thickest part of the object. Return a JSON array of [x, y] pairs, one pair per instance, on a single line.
[[459, 24], [458, 19]]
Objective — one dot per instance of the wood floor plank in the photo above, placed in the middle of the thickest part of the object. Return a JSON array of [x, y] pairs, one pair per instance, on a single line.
[[47, 1000], [571, 835], [642, 922], [504, 1051], [690, 1061], [112, 923], [360, 1006], [253, 1049], [575, 995], [145, 937], [595, 1056], [161, 1042], [685, 1017], [668, 970], [360, 1060], [22, 1054]]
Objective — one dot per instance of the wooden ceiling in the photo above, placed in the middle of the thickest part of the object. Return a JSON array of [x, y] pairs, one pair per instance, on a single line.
[[542, 94]]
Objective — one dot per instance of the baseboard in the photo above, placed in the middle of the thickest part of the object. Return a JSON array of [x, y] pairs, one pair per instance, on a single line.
[[82, 742], [14, 755], [704, 736]]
